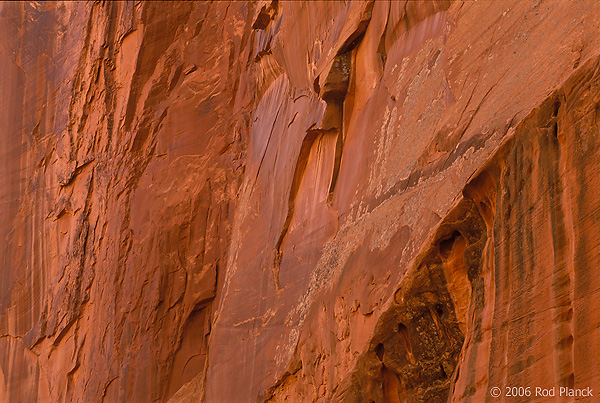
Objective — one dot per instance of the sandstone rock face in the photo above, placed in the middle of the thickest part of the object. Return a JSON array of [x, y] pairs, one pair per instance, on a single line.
[[298, 201]]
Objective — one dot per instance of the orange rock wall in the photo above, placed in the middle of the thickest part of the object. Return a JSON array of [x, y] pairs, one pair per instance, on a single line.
[[298, 201]]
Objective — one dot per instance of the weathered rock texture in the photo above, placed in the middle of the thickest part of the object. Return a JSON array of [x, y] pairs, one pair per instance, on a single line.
[[298, 201]]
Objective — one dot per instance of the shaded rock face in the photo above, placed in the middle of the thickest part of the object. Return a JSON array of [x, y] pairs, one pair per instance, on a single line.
[[298, 201]]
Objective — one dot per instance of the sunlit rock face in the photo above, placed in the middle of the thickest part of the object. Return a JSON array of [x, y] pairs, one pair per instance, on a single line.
[[283, 201]]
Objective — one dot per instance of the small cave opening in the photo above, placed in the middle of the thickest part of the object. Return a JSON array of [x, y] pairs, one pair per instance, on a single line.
[[447, 244], [556, 108], [380, 351]]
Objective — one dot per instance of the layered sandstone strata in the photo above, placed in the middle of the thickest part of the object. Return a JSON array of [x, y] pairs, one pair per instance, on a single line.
[[298, 201]]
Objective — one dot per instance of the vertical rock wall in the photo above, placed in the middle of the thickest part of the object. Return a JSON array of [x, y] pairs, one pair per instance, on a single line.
[[369, 201], [121, 153]]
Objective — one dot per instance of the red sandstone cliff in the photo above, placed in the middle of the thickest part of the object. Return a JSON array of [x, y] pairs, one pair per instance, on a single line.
[[298, 201]]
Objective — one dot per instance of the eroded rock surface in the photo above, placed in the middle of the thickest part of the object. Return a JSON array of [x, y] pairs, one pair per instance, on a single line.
[[367, 201]]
